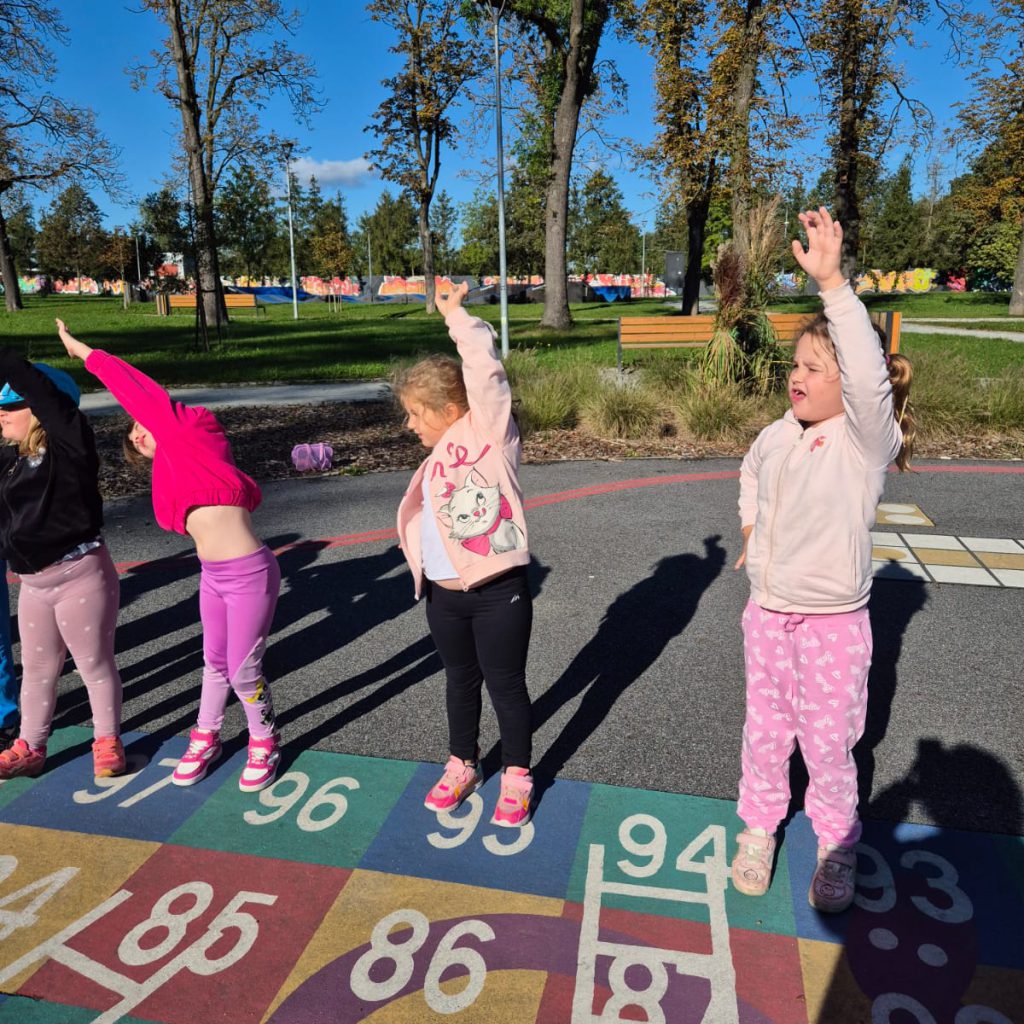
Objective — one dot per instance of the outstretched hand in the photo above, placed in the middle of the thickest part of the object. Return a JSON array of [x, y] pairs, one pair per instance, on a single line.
[[452, 300], [75, 348], [821, 258]]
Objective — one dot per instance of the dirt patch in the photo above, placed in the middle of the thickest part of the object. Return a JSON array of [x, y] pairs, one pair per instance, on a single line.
[[370, 438]]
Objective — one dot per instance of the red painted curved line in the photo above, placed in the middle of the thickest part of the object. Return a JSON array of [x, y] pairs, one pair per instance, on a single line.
[[371, 536]]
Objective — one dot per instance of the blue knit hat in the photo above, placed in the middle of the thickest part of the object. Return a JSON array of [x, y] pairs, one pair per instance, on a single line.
[[63, 380]]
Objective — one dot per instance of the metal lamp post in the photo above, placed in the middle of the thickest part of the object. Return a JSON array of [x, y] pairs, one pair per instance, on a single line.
[[291, 231], [496, 12]]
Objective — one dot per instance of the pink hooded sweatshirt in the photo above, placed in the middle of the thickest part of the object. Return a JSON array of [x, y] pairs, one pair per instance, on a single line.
[[193, 465], [811, 493], [473, 472]]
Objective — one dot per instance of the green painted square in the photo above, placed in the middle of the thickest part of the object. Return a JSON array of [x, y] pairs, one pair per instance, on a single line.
[[19, 1010], [656, 828], [325, 809], [59, 741]]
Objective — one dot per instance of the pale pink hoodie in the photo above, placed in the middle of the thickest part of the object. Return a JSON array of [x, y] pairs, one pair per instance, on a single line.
[[811, 494], [473, 472]]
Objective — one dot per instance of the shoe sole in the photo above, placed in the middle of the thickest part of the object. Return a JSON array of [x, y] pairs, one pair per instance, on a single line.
[[193, 779], [108, 773], [256, 787], [513, 824], [747, 890], [458, 803]]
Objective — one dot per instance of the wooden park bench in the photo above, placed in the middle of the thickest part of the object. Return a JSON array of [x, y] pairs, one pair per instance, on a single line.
[[644, 332], [232, 300]]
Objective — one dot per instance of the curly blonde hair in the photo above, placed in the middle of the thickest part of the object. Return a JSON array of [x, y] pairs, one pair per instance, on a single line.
[[901, 375]]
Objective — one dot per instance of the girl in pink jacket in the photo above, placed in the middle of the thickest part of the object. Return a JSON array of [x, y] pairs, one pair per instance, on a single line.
[[809, 487], [198, 490], [462, 530]]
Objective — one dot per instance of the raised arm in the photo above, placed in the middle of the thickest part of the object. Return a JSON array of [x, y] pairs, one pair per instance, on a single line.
[[864, 377], [140, 396], [487, 388], [54, 409]]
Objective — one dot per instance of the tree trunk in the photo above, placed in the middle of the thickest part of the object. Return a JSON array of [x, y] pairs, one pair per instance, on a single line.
[[1017, 295], [579, 63], [848, 153], [696, 223], [207, 268], [743, 93], [427, 245], [8, 273]]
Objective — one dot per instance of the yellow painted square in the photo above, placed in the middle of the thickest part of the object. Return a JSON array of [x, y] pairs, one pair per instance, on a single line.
[[891, 514], [1000, 559], [891, 554], [942, 556], [832, 993], [369, 896], [103, 863]]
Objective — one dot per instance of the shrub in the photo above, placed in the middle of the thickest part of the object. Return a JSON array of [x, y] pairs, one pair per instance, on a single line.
[[718, 412], [615, 410], [548, 398]]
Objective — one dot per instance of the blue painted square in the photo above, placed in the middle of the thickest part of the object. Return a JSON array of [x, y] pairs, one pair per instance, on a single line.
[[142, 804], [947, 890], [464, 847]]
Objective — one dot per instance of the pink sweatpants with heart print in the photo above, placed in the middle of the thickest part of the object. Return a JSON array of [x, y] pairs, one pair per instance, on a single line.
[[806, 683]]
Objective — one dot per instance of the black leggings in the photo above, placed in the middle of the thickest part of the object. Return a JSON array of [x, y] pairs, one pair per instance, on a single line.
[[484, 635]]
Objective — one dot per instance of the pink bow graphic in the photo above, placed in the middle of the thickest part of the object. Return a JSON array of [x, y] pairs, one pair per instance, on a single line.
[[481, 545]]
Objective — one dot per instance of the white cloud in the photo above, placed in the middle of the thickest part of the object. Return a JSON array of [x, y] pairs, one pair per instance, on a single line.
[[330, 173]]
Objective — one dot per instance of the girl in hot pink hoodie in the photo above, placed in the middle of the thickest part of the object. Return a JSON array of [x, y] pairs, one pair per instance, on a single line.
[[198, 490], [809, 487], [462, 530]]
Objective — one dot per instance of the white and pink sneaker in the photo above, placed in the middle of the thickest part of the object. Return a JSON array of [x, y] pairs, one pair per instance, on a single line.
[[261, 767], [203, 749]]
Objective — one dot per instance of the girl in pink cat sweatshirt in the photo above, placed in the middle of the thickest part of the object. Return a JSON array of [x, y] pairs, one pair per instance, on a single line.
[[809, 487], [462, 530], [198, 490]]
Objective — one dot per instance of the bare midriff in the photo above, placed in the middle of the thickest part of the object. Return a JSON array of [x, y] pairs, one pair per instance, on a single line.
[[448, 584], [221, 532]]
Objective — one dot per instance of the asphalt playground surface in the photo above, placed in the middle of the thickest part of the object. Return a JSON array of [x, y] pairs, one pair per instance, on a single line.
[[336, 897]]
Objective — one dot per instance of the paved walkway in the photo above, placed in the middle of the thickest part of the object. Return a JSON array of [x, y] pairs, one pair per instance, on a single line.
[[923, 327], [335, 897]]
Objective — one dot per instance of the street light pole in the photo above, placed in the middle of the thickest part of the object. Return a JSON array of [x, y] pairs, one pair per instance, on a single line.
[[502, 265], [369, 267], [138, 261], [643, 263], [291, 232]]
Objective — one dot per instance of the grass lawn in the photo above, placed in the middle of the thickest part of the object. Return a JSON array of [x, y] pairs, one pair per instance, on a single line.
[[364, 341]]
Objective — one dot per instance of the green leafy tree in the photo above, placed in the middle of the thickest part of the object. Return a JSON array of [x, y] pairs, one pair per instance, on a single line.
[[391, 230], [479, 252], [71, 237], [412, 123], [895, 239], [162, 228], [603, 239], [45, 142], [21, 231], [246, 222], [220, 63], [445, 227], [330, 246]]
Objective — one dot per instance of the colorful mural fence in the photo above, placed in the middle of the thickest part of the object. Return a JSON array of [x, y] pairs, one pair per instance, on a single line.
[[920, 279]]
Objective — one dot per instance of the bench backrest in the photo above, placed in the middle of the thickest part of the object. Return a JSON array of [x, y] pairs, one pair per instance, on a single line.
[[695, 331], [232, 300]]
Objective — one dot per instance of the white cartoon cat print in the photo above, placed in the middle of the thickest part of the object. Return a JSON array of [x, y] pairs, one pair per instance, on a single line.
[[480, 518]]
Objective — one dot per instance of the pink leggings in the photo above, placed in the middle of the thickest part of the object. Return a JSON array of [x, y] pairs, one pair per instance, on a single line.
[[806, 683], [69, 606], [237, 598]]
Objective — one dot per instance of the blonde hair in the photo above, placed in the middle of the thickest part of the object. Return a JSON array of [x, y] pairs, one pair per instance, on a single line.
[[33, 442], [901, 374], [436, 381]]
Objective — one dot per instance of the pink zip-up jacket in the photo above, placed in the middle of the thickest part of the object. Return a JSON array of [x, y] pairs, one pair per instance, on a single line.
[[473, 472], [193, 464], [811, 494]]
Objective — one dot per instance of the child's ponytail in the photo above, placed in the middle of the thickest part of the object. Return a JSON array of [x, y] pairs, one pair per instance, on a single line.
[[900, 376]]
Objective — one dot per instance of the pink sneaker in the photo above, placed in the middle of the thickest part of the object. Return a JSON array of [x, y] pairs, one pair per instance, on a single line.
[[203, 749], [261, 768], [513, 808], [21, 759], [835, 878], [457, 782]]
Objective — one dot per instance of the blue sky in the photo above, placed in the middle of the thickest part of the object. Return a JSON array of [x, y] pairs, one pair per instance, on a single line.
[[350, 53]]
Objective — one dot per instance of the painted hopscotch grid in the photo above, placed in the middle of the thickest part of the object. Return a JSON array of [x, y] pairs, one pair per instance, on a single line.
[[977, 561], [335, 897], [891, 514]]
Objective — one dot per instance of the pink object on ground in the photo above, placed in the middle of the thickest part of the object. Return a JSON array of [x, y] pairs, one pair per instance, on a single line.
[[306, 457]]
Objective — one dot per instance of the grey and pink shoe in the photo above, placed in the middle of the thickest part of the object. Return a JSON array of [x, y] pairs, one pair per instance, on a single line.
[[261, 767], [515, 801], [835, 879], [204, 748], [457, 782]]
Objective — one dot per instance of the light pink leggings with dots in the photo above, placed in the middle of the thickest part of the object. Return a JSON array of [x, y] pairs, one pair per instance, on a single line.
[[807, 681], [69, 606]]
